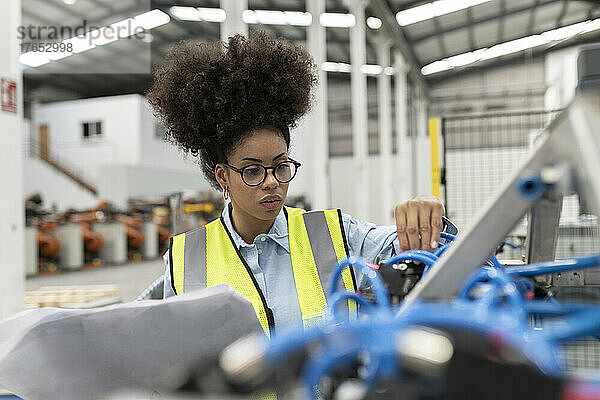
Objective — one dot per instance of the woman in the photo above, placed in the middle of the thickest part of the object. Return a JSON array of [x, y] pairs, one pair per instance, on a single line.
[[232, 105]]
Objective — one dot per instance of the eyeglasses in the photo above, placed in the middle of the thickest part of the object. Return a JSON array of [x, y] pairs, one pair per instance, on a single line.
[[255, 174]]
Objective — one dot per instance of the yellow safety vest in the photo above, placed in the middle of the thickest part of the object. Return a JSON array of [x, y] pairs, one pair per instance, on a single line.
[[208, 256]]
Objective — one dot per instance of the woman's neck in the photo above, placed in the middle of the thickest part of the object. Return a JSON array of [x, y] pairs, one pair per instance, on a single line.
[[247, 226]]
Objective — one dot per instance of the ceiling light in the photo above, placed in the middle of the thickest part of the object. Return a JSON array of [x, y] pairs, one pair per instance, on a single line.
[[373, 23], [371, 69], [389, 70], [70, 2], [152, 19], [79, 43], [298, 18], [337, 20], [99, 37], [212, 14], [33, 59], [512, 46], [434, 9], [270, 17], [185, 13]]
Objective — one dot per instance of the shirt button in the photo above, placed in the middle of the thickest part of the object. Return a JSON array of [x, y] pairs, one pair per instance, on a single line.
[[262, 239], [259, 251]]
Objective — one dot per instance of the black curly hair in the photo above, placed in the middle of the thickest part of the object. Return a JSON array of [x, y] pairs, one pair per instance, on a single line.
[[209, 96]]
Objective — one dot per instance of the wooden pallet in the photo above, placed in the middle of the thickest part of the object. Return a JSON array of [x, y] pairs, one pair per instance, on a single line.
[[83, 296]]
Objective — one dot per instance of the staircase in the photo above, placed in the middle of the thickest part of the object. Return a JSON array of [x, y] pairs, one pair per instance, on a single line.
[[62, 167]]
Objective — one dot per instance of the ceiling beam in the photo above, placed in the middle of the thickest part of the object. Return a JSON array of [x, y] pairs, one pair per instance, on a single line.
[[470, 22], [563, 12], [531, 23], [438, 28], [381, 9]]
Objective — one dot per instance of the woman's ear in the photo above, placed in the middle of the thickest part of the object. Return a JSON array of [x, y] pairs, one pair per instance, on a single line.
[[221, 175]]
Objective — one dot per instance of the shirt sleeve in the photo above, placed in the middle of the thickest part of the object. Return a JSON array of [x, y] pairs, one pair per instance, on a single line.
[[168, 288], [371, 242]]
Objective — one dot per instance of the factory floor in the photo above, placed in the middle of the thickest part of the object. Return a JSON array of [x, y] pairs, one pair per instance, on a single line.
[[131, 278]]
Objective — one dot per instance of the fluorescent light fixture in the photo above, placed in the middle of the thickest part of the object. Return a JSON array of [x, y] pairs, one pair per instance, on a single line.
[[336, 67], [298, 18], [152, 19], [368, 69], [434, 9], [513, 46], [270, 17], [59, 55], [185, 13], [80, 44], [212, 14], [33, 59], [102, 36], [337, 20], [99, 37], [373, 22]]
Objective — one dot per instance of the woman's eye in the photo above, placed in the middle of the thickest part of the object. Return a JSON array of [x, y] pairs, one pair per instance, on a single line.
[[252, 171]]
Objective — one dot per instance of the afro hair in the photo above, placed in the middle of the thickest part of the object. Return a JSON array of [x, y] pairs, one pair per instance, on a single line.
[[209, 96]]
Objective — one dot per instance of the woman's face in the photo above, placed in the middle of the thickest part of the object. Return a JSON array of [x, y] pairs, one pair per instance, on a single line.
[[263, 202]]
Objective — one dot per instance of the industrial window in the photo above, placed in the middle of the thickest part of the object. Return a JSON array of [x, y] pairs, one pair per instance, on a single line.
[[92, 129]]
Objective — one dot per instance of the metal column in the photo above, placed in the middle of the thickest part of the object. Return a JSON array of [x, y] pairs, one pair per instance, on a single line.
[[317, 45], [360, 131], [384, 97], [12, 213], [403, 153], [233, 22]]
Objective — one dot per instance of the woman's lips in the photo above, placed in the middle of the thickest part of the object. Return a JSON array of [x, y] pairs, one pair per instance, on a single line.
[[270, 204]]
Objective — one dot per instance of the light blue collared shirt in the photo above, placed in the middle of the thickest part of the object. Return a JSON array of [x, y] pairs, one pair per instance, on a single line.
[[269, 259]]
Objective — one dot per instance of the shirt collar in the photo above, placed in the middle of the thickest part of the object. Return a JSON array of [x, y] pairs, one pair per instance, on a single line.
[[278, 232]]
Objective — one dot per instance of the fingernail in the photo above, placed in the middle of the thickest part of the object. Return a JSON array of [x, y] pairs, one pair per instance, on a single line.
[[434, 244]]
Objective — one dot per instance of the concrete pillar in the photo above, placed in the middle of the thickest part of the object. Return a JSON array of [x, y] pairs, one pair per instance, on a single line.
[[403, 154], [318, 118], [422, 176], [384, 98], [12, 214], [233, 22], [360, 131]]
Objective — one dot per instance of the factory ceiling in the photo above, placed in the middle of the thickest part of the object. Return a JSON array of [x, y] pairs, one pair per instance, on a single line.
[[438, 46]]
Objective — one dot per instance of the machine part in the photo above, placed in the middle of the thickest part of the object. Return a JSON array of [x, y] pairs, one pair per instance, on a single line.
[[114, 250], [71, 249], [572, 138], [176, 212], [530, 185]]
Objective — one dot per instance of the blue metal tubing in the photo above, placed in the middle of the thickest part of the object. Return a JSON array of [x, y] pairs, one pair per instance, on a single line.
[[552, 267], [441, 249], [379, 289], [413, 255], [495, 262], [584, 323], [341, 296], [447, 236], [497, 277]]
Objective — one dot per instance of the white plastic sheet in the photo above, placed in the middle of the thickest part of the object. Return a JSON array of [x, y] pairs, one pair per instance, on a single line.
[[52, 353]]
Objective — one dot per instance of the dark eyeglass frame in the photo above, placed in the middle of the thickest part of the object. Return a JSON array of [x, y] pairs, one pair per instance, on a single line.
[[241, 171]]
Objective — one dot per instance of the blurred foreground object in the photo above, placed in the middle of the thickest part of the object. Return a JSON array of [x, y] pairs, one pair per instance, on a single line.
[[50, 353]]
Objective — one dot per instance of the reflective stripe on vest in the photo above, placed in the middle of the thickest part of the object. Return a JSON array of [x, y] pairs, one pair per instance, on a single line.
[[197, 262]]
